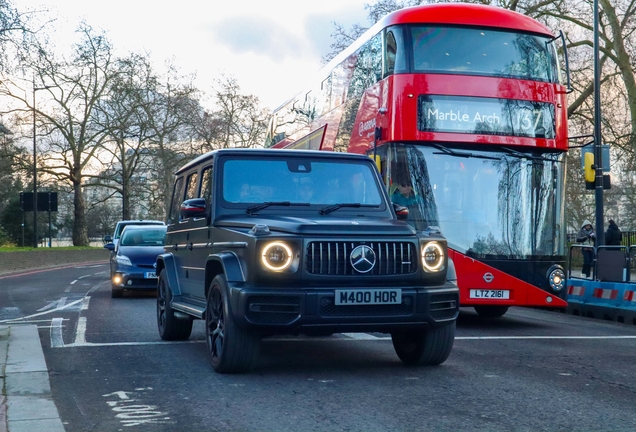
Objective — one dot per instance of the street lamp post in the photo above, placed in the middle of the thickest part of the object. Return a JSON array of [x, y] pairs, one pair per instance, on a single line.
[[35, 171]]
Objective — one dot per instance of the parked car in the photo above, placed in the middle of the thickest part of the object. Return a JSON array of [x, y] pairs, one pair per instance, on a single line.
[[123, 224], [263, 242], [133, 261]]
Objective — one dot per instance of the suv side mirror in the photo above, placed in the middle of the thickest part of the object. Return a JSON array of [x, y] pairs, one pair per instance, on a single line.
[[108, 239], [195, 207], [109, 246], [401, 212]]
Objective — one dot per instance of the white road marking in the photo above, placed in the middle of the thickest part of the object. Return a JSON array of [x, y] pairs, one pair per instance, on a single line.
[[82, 277], [56, 333], [80, 333], [347, 338], [85, 303], [18, 320], [61, 302], [73, 283], [48, 306], [363, 336], [134, 414]]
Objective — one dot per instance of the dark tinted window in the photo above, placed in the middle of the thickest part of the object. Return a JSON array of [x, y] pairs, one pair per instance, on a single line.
[[177, 199], [206, 184], [191, 188]]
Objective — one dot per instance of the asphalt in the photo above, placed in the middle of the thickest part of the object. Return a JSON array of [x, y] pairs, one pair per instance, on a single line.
[[26, 403]]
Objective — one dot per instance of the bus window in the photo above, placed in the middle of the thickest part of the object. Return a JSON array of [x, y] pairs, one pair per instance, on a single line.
[[394, 59]]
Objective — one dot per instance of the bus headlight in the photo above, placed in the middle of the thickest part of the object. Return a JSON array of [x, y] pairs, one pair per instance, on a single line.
[[277, 256], [556, 278], [433, 257]]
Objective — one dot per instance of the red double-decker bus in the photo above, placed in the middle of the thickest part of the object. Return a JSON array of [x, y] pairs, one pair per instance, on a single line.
[[463, 107]]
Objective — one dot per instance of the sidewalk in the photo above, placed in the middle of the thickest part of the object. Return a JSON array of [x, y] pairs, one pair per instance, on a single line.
[[26, 404]]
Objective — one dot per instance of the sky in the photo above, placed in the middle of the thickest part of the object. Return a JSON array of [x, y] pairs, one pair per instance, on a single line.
[[271, 47]]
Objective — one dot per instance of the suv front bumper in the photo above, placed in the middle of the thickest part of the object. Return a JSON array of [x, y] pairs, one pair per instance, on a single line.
[[277, 311]]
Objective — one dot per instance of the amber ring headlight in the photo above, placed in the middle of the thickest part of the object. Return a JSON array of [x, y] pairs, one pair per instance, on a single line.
[[277, 256], [432, 257]]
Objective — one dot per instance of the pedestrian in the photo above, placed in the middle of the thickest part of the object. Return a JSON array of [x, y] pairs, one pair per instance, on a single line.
[[613, 235], [586, 236]]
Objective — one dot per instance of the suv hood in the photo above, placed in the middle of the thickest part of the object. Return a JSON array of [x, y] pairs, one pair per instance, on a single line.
[[320, 226]]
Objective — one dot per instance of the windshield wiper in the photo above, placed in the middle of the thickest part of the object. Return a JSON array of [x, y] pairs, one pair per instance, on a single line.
[[331, 208], [253, 209], [521, 155], [446, 150]]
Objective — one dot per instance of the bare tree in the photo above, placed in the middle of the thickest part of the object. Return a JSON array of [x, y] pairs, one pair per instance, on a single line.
[[241, 120], [72, 87]]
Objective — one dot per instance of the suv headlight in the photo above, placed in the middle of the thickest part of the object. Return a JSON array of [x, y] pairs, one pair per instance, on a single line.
[[123, 260], [277, 256], [433, 257]]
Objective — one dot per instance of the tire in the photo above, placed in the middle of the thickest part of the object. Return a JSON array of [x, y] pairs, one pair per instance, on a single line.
[[491, 311], [170, 327], [424, 348], [231, 348], [116, 292]]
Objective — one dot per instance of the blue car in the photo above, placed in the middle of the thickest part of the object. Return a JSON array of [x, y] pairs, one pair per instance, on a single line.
[[133, 261]]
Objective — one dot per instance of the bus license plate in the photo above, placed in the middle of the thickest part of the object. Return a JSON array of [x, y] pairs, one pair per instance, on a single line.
[[489, 294], [150, 275], [368, 297]]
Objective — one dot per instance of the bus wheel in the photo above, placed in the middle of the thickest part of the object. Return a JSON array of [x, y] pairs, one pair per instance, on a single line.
[[424, 348], [491, 311]]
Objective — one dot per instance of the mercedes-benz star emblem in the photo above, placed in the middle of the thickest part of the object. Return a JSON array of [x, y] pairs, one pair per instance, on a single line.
[[362, 259]]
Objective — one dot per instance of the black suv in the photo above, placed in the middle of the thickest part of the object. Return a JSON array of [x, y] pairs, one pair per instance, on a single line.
[[264, 242]]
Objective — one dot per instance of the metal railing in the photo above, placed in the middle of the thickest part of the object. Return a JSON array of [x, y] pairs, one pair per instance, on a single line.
[[602, 263]]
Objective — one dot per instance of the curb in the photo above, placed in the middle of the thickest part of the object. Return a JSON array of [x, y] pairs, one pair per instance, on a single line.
[[28, 404]]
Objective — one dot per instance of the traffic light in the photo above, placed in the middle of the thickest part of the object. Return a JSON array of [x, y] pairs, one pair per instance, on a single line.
[[590, 172]]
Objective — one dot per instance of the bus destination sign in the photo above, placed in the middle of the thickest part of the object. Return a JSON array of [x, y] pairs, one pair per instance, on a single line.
[[485, 116]]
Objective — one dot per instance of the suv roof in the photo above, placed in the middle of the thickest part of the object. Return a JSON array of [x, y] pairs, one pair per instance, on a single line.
[[267, 153]]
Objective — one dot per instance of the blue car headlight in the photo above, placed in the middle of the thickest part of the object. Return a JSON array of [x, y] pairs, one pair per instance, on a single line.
[[123, 260]]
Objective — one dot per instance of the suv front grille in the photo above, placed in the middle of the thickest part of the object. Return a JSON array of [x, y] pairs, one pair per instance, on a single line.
[[333, 258]]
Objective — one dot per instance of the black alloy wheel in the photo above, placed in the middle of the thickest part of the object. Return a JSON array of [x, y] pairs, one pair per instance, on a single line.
[[232, 349], [170, 327]]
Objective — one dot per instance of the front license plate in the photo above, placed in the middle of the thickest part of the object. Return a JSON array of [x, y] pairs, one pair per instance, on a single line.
[[489, 294], [368, 297], [150, 275]]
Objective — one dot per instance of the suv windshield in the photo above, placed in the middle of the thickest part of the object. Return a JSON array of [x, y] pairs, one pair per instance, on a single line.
[[296, 180]]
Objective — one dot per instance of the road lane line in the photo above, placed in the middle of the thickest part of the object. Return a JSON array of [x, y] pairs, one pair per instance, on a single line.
[[80, 333], [371, 337], [85, 303], [57, 340], [73, 283]]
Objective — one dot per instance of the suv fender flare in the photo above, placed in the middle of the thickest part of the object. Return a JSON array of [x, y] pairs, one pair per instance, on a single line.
[[223, 262], [451, 273], [167, 262]]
